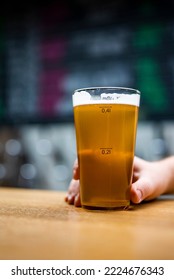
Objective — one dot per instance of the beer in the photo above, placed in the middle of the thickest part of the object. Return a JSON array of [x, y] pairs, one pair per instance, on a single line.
[[105, 135]]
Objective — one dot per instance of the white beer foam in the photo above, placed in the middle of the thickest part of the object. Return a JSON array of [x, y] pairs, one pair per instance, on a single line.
[[84, 98]]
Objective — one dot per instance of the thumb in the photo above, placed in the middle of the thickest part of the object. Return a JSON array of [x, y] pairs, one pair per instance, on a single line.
[[141, 190]]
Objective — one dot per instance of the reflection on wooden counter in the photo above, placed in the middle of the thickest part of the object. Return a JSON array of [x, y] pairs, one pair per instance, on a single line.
[[37, 224]]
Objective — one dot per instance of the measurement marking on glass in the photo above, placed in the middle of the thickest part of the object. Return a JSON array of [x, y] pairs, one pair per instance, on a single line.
[[106, 109], [106, 151]]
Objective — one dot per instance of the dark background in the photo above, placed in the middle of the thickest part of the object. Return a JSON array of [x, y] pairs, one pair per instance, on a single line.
[[50, 48]]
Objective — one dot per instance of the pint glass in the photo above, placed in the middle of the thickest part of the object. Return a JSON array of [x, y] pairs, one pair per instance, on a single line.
[[105, 124]]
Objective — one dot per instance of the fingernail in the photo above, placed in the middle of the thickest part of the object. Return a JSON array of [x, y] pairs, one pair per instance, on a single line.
[[139, 195]]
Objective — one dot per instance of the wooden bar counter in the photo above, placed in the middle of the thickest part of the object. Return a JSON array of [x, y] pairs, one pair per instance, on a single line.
[[38, 224]]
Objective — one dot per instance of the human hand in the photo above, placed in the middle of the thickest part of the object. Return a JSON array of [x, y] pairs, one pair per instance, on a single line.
[[150, 179]]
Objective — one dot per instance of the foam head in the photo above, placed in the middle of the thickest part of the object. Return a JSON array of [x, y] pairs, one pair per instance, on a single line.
[[84, 97]]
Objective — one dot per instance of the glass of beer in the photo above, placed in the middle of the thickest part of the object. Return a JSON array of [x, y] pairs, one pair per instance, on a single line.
[[105, 123]]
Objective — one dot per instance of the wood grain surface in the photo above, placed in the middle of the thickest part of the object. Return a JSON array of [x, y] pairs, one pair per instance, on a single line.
[[38, 224]]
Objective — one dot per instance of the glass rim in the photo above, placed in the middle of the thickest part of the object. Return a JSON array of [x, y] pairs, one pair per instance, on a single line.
[[105, 87]]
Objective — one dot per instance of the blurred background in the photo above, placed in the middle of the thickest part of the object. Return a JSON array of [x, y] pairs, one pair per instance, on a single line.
[[50, 48]]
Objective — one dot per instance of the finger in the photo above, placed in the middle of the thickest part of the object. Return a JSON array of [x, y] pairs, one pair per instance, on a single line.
[[73, 190], [76, 170], [141, 190], [77, 201], [70, 198], [138, 164]]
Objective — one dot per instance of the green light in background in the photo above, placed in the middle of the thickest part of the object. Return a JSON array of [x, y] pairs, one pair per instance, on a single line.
[[148, 36], [151, 84]]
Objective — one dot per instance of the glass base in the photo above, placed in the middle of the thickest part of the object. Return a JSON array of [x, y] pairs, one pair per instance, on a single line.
[[120, 205]]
